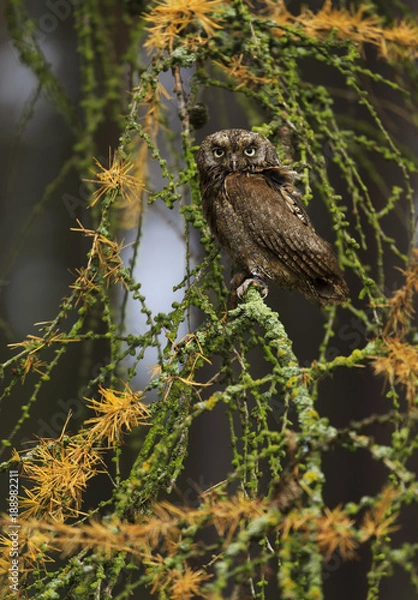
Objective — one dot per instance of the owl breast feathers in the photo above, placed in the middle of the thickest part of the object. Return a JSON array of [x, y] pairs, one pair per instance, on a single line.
[[255, 212]]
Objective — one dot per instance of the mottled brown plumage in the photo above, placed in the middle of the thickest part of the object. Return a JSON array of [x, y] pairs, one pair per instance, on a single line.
[[254, 210]]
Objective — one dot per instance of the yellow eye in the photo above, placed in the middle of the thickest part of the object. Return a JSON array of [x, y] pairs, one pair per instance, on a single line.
[[250, 151], [218, 152]]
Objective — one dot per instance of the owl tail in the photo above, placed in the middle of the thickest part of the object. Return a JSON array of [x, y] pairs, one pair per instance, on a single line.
[[330, 290]]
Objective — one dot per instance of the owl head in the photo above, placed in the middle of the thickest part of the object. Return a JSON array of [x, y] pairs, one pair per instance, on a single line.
[[235, 150]]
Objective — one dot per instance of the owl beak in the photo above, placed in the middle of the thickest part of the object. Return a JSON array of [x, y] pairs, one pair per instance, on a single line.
[[233, 161]]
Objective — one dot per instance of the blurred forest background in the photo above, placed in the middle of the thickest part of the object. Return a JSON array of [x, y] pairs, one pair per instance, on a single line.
[[88, 138]]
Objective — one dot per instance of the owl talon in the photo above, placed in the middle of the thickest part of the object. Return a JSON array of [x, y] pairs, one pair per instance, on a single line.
[[254, 280]]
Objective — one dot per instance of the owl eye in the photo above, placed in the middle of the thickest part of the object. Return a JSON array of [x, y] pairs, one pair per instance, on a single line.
[[218, 152], [249, 151]]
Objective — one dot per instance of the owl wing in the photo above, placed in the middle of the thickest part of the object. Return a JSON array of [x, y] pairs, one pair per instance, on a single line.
[[282, 178], [276, 223]]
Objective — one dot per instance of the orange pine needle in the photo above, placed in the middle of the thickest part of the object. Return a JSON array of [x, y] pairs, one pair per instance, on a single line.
[[116, 411], [170, 18]]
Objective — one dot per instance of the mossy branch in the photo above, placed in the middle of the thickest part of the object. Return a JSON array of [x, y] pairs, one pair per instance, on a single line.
[[268, 524]]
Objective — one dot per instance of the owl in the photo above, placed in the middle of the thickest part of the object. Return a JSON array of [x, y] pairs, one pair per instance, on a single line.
[[254, 210]]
